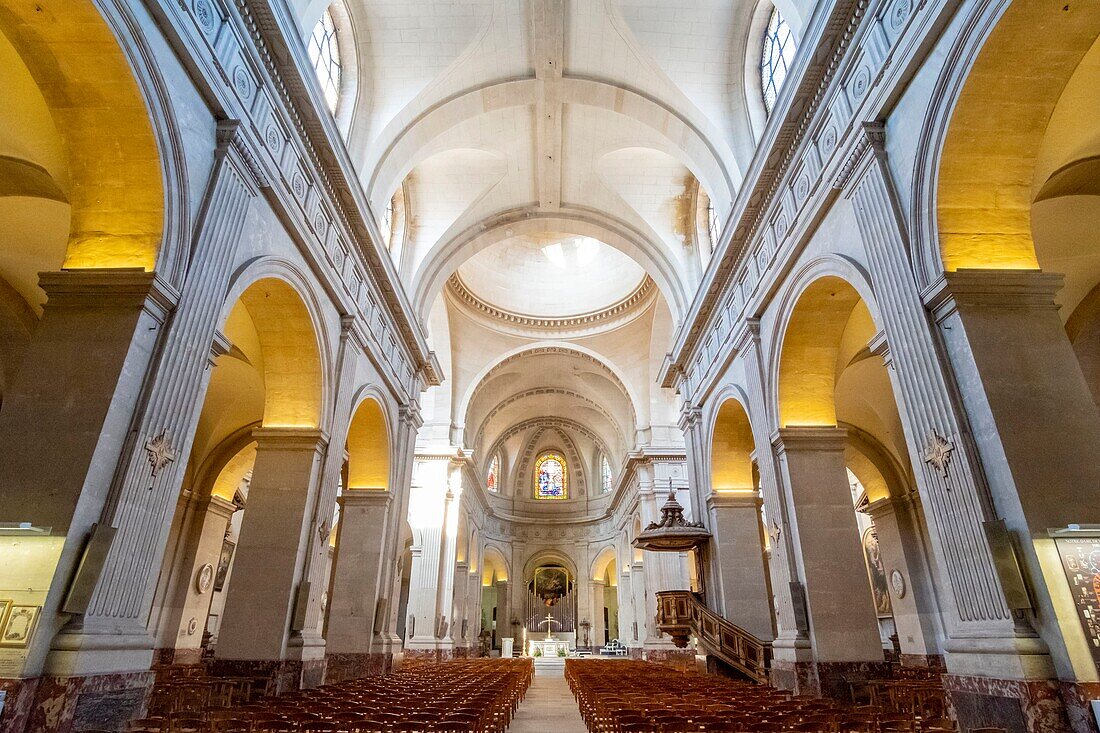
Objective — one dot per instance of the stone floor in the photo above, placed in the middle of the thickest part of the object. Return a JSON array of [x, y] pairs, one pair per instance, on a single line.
[[548, 706]]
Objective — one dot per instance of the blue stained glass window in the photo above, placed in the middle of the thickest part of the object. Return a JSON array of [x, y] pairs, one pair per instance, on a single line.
[[551, 477]]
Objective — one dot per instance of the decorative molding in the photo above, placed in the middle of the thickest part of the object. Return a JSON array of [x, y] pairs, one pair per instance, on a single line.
[[937, 453], [640, 296]]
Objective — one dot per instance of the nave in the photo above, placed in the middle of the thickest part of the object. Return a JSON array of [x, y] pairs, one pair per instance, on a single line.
[[518, 696]]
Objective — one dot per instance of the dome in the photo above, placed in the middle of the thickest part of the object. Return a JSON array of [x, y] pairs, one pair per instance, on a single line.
[[551, 276]]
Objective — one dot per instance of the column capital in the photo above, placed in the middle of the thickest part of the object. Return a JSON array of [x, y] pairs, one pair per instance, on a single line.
[[364, 497], [735, 500], [218, 506], [992, 288], [809, 438], [109, 288], [290, 438]]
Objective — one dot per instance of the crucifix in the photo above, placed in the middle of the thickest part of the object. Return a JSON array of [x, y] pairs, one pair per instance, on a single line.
[[549, 620]]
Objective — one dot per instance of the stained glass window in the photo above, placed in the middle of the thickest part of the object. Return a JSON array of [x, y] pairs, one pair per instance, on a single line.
[[494, 471], [551, 478], [324, 52], [775, 58], [605, 475]]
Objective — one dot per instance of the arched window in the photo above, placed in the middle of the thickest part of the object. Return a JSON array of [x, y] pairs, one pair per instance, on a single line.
[[551, 477], [605, 475], [324, 51], [493, 476], [775, 58]]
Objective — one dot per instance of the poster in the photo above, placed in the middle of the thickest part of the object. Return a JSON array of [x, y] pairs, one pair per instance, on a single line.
[[1081, 562]]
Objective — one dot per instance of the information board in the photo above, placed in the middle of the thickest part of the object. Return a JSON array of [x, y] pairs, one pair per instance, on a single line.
[[1081, 562]]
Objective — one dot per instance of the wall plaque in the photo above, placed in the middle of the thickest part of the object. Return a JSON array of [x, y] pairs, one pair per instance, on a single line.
[[1081, 562]]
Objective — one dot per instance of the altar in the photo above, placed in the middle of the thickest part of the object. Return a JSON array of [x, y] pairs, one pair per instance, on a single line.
[[549, 647]]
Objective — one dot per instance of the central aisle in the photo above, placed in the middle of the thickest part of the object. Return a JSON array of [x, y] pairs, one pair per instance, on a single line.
[[548, 706]]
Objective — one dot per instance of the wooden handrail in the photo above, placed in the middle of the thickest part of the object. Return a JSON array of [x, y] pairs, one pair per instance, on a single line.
[[680, 614]]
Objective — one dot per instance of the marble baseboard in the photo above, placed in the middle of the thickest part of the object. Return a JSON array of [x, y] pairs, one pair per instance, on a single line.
[[18, 704], [1018, 706], [73, 704], [931, 661], [678, 658], [835, 678], [341, 667], [828, 679], [413, 656], [286, 673], [1076, 696], [176, 657]]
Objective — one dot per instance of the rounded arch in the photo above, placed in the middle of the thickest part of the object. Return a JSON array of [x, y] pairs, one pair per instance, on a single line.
[[455, 248], [494, 564], [548, 556], [551, 468], [408, 140], [544, 347], [271, 297], [605, 564], [115, 193], [223, 468], [874, 465], [803, 392], [984, 132], [368, 444], [731, 447]]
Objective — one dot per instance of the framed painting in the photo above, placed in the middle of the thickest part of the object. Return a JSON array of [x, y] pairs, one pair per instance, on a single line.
[[223, 564], [19, 625]]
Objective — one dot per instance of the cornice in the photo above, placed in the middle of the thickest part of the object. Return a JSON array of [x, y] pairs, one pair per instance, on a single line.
[[790, 127], [618, 312]]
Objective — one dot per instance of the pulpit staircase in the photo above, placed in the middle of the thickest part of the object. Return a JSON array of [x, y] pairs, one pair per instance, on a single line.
[[681, 614]]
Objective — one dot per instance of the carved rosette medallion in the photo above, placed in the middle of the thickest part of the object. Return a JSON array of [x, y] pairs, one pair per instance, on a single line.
[[937, 453]]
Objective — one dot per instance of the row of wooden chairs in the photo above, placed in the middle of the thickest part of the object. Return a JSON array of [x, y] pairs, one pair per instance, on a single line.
[[642, 697], [469, 696]]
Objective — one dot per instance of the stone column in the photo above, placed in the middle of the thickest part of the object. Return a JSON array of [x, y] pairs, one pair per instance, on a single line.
[[401, 475], [504, 612], [474, 610], [596, 590], [353, 600], [187, 602], [742, 587], [460, 620], [626, 609], [144, 482], [265, 606], [638, 622], [966, 481], [843, 626], [699, 483], [791, 646], [64, 427], [431, 589], [916, 616]]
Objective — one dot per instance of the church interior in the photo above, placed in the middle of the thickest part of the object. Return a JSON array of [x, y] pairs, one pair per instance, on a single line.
[[531, 365]]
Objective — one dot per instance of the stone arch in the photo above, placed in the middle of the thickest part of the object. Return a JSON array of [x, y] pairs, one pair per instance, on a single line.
[[984, 132], [731, 447], [454, 248], [297, 392], [368, 444], [494, 561], [545, 556], [111, 172], [605, 557], [613, 372], [802, 373]]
